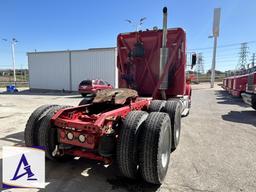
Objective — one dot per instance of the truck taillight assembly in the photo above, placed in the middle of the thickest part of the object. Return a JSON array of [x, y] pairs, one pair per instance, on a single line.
[[82, 138], [70, 136], [76, 138]]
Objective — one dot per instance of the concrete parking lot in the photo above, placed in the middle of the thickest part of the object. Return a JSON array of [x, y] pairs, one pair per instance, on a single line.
[[217, 150]]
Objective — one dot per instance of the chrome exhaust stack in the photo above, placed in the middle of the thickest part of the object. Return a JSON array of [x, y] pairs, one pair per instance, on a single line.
[[164, 52]]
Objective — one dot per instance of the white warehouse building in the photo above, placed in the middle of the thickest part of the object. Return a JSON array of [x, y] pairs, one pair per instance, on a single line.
[[64, 70]]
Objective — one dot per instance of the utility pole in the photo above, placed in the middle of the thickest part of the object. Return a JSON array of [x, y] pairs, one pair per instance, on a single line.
[[215, 30], [243, 55], [13, 43], [213, 62], [13, 59]]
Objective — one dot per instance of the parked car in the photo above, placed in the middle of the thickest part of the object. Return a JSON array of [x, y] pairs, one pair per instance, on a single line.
[[90, 87]]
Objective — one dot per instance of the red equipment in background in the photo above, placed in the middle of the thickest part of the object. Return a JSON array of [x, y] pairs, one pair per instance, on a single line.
[[249, 96], [235, 85], [225, 83], [230, 81], [239, 85], [243, 85]]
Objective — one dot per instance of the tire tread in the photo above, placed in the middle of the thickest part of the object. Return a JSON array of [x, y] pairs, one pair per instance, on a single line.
[[149, 153], [33, 124], [127, 149]]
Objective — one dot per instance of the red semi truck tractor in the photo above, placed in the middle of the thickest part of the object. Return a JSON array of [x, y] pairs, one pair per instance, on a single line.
[[249, 96], [138, 124]]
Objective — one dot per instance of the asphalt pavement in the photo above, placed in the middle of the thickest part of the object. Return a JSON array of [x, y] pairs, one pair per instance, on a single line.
[[217, 150]]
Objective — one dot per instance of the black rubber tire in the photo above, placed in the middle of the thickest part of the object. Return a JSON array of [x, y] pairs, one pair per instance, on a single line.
[[156, 105], [127, 144], [156, 138], [83, 94], [173, 108], [47, 135], [86, 100], [33, 124]]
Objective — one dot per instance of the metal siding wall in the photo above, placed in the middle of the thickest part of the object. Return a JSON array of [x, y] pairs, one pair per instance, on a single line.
[[93, 64], [49, 70]]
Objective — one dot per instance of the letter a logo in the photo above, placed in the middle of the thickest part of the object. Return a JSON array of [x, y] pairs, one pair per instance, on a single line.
[[28, 171]]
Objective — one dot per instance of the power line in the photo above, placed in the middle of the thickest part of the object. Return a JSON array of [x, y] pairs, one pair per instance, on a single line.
[[222, 50], [221, 46], [227, 60]]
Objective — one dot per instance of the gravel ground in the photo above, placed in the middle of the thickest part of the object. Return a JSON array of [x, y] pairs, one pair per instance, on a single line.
[[217, 150]]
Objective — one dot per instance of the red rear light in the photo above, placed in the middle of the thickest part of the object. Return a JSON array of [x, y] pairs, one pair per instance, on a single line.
[[82, 138], [70, 135]]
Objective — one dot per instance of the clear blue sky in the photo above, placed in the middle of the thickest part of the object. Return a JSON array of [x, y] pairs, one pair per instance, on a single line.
[[79, 24]]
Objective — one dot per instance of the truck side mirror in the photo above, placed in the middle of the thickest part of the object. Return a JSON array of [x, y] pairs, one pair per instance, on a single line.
[[193, 62]]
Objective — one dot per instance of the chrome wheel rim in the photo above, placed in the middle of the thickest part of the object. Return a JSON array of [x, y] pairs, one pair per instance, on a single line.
[[165, 148], [177, 133]]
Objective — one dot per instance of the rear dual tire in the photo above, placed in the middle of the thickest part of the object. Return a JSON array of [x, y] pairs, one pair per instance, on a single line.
[[156, 147], [156, 106], [173, 108], [47, 134], [33, 124], [144, 146], [128, 142], [39, 131]]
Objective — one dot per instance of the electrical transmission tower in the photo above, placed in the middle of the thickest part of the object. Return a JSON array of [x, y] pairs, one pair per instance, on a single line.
[[243, 55], [253, 60], [200, 63], [200, 66]]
